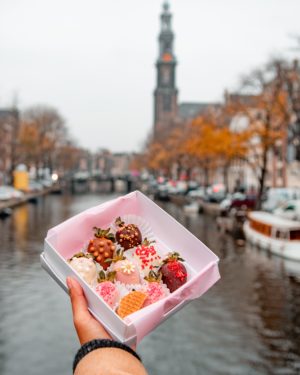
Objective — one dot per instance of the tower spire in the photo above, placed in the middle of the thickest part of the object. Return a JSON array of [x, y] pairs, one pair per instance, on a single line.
[[165, 95], [166, 18], [166, 5]]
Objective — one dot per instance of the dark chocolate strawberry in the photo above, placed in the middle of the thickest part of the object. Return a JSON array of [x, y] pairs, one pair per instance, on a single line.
[[128, 235], [102, 246], [173, 272]]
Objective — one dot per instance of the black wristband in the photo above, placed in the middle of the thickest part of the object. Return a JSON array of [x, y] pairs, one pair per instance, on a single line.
[[97, 344]]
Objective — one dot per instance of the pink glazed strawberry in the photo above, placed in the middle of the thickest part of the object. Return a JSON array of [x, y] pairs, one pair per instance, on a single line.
[[174, 273], [154, 289], [126, 271], [106, 289]]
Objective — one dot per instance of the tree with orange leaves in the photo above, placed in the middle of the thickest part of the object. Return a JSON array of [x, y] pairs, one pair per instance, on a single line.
[[268, 118], [201, 145], [213, 145], [165, 150]]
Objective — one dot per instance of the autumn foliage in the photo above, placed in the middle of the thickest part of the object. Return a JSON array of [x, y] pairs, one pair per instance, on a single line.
[[250, 128], [44, 142], [204, 143]]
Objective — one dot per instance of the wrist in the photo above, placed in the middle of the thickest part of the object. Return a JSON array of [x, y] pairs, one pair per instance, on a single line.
[[92, 345]]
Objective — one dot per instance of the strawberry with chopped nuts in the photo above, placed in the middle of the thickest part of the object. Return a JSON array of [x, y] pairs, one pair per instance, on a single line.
[[102, 246]]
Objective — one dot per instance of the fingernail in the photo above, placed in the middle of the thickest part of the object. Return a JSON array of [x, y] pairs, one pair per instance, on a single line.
[[69, 282]]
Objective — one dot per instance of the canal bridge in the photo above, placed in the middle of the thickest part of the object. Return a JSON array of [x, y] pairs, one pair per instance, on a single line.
[[85, 182]]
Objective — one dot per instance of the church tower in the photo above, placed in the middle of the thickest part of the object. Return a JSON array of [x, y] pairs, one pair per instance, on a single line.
[[165, 94]]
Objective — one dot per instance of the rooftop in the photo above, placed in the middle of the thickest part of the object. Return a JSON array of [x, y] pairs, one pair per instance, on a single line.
[[191, 110]]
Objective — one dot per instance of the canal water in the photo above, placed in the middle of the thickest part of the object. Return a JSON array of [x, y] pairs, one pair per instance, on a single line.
[[248, 323]]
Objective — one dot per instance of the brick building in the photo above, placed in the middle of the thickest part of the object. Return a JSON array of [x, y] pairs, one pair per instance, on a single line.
[[9, 128]]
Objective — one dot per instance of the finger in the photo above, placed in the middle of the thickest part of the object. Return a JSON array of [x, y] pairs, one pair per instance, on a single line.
[[87, 327], [78, 301]]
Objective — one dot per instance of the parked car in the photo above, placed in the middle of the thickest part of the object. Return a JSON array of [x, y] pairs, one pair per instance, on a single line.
[[289, 210], [181, 187], [238, 201], [192, 185], [47, 183], [225, 204], [275, 197], [34, 187], [176, 187], [243, 201], [198, 193], [8, 192], [162, 192], [216, 193]]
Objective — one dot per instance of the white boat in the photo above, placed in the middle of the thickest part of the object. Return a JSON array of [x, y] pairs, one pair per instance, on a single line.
[[289, 210], [276, 234], [191, 208]]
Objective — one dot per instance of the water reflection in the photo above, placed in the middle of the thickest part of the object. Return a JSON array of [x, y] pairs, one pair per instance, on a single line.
[[261, 293], [20, 225], [278, 295], [248, 323]]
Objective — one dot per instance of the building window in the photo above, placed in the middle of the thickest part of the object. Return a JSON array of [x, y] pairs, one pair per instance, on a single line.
[[168, 46], [167, 103], [165, 72]]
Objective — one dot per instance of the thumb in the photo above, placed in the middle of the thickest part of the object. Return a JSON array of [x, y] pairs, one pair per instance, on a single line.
[[78, 301], [86, 326]]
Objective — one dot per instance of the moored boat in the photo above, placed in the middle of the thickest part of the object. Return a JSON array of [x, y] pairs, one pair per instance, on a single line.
[[278, 235]]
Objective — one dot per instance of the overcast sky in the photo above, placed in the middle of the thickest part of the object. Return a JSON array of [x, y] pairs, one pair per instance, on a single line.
[[94, 59]]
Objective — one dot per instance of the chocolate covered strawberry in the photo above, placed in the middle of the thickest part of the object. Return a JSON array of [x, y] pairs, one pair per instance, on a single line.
[[102, 246], [128, 235], [174, 273]]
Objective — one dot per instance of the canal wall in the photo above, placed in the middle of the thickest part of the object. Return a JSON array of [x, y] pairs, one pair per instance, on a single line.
[[212, 209], [11, 203]]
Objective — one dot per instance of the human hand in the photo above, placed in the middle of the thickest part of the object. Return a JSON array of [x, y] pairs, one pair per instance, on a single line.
[[87, 327]]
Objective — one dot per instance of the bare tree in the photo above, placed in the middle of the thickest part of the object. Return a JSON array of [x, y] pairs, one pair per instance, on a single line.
[[43, 133]]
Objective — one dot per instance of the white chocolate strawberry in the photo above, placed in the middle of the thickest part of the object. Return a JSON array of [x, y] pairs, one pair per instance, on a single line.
[[86, 268], [147, 257]]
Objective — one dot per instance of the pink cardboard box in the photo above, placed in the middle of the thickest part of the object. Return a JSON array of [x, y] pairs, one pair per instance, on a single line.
[[69, 237]]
